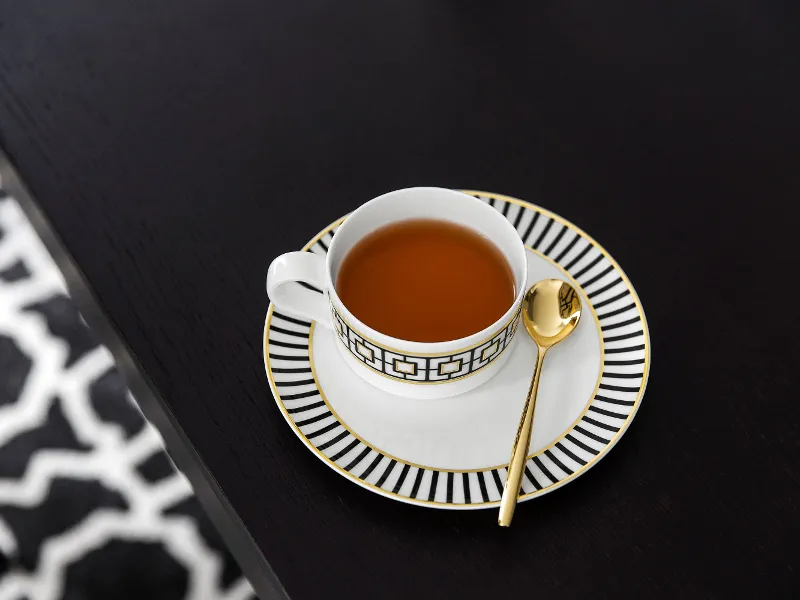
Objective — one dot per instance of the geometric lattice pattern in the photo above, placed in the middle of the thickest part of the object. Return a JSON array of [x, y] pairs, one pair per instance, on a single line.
[[424, 369], [90, 504]]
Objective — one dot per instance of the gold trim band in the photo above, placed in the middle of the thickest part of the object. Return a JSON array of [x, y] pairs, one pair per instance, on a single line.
[[429, 354]]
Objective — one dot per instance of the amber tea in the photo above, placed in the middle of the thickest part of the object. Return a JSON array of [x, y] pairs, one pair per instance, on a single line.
[[426, 280]]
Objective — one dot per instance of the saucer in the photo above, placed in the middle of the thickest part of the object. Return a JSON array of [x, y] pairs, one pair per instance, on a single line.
[[452, 452]]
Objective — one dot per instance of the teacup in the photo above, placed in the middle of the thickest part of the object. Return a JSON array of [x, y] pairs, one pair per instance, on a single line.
[[403, 367]]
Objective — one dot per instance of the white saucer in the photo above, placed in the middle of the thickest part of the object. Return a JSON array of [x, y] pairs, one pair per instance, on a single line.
[[451, 453]]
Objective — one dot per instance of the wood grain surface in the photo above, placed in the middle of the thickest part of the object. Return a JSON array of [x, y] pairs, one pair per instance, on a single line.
[[176, 147]]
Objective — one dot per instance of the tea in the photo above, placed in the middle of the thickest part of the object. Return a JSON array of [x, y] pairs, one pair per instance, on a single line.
[[426, 280]]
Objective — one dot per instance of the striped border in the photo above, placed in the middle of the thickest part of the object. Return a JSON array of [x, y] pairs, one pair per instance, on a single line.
[[626, 364]]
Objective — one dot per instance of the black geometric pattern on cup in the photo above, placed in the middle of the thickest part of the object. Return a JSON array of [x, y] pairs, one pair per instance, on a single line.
[[625, 367], [424, 369]]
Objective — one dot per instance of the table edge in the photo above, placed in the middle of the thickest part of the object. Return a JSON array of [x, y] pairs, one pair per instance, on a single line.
[[224, 517]]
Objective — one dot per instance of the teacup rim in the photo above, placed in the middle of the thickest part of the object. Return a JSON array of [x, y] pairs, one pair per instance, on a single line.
[[440, 348]]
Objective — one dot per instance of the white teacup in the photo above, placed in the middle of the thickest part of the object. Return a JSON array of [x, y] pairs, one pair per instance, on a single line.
[[404, 367]]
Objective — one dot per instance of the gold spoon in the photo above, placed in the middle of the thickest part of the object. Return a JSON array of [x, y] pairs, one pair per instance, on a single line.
[[550, 310]]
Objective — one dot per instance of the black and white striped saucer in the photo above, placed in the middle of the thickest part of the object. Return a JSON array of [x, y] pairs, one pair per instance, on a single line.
[[451, 453]]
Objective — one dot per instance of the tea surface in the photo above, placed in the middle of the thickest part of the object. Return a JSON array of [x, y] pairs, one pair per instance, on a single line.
[[426, 280]]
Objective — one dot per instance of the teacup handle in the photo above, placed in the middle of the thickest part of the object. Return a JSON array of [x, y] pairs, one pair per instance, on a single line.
[[298, 300]]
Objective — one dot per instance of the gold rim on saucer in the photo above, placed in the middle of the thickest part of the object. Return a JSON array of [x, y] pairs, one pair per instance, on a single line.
[[289, 362]]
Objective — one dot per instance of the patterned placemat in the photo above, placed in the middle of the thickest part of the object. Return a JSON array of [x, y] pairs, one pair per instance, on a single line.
[[90, 504]]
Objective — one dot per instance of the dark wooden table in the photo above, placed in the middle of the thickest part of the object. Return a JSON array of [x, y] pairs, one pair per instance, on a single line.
[[171, 149]]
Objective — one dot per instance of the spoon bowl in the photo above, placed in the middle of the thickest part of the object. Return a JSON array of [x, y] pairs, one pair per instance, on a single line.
[[551, 310]]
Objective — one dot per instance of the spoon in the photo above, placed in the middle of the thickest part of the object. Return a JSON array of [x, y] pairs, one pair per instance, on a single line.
[[550, 310]]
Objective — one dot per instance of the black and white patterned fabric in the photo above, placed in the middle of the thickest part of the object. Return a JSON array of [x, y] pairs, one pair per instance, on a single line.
[[91, 507]]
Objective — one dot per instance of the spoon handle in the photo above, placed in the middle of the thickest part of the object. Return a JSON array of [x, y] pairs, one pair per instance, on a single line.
[[519, 454]]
